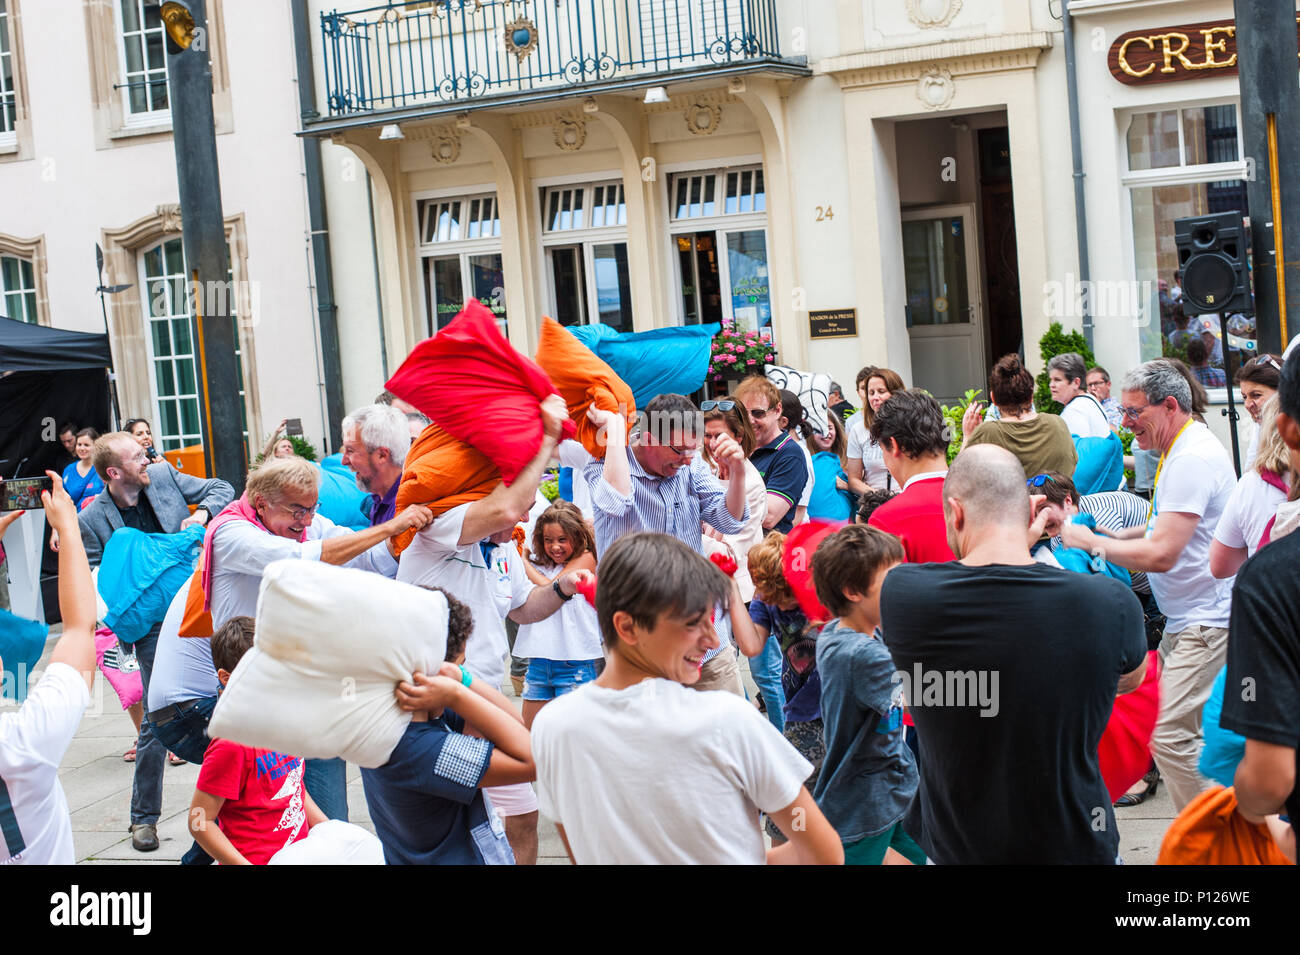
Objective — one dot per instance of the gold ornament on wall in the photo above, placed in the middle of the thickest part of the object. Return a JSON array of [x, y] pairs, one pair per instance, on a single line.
[[520, 37], [570, 133], [703, 119]]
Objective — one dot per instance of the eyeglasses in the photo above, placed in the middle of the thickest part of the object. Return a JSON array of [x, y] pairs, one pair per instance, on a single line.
[[298, 512], [683, 452], [1133, 413], [757, 413], [719, 405]]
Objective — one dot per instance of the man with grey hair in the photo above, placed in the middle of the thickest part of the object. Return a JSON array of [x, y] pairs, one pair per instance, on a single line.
[[1193, 483], [375, 441], [1012, 669]]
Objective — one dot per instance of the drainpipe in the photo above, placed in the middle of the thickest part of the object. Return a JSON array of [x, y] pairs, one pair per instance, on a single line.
[[379, 293], [326, 309], [1076, 153]]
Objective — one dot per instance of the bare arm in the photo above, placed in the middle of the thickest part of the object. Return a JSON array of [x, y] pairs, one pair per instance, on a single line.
[[812, 840], [542, 601], [749, 636], [341, 549], [1265, 777], [1133, 679], [777, 506], [203, 827], [314, 816], [1157, 553], [512, 758], [77, 604], [1225, 561], [854, 469], [501, 508]]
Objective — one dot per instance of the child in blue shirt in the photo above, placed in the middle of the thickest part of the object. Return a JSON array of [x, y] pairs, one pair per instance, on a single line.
[[426, 801], [830, 499], [869, 775]]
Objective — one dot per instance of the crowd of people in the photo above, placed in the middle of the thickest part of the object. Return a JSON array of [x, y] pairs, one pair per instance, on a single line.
[[937, 645]]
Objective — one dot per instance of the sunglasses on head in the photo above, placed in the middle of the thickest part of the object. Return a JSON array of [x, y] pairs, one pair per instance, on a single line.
[[1039, 480], [719, 405]]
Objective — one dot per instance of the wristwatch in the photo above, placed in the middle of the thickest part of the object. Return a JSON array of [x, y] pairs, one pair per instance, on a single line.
[[555, 585]]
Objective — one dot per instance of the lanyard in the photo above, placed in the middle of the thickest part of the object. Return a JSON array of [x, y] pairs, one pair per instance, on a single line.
[[1151, 513]]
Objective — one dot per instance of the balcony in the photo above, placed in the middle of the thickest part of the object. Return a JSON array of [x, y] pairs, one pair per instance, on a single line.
[[406, 59]]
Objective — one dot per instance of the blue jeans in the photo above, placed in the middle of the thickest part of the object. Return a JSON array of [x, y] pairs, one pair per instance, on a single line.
[[150, 752], [766, 671], [187, 737], [548, 679], [326, 781]]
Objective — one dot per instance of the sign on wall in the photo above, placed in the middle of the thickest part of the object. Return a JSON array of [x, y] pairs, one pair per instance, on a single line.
[[833, 323], [1165, 54]]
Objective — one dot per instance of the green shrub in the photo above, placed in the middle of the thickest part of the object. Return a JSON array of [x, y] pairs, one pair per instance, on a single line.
[[952, 415], [1056, 341]]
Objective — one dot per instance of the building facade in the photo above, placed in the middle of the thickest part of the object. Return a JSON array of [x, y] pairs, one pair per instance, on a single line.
[[899, 167], [86, 158]]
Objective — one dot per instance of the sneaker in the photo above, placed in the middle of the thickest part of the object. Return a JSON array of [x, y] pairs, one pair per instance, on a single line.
[[144, 837]]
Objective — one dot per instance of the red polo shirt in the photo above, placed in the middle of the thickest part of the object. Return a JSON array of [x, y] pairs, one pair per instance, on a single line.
[[915, 516]]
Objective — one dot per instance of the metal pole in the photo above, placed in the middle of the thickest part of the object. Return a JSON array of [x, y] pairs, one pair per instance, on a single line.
[[1076, 153], [189, 84], [1270, 114]]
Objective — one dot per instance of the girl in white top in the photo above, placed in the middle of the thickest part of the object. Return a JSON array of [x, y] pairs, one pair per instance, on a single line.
[[864, 461], [727, 416], [1082, 412], [1254, 500], [564, 650]]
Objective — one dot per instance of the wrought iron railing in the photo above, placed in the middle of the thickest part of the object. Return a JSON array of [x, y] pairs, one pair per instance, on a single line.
[[436, 51]]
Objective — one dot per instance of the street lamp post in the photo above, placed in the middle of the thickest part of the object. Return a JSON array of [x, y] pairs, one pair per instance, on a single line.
[[189, 85]]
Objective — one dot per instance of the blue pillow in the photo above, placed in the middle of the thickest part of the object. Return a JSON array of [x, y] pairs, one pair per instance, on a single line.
[[22, 642], [139, 575], [1101, 464], [656, 362], [1223, 749], [340, 499]]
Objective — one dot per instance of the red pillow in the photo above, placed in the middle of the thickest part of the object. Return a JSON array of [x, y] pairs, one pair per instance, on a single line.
[[478, 389], [582, 379], [1123, 753], [796, 561]]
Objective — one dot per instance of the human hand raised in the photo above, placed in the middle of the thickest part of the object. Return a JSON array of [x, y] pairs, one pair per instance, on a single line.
[[554, 413], [426, 692], [59, 509]]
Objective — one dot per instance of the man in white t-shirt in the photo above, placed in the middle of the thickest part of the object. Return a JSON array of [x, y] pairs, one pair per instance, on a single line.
[[35, 826], [637, 768], [468, 552], [1194, 482]]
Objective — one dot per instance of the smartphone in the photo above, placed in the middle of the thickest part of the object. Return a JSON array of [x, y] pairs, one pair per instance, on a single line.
[[293, 426], [23, 494]]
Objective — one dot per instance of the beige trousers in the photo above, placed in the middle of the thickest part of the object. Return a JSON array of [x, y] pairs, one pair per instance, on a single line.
[[1189, 661]]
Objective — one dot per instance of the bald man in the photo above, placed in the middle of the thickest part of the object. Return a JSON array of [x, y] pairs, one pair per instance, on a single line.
[[1010, 669]]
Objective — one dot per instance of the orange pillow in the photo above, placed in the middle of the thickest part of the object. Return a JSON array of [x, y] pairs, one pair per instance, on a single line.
[[442, 473], [1209, 831], [582, 379]]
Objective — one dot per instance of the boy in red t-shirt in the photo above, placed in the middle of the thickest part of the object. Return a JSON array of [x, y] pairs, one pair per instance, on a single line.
[[256, 796]]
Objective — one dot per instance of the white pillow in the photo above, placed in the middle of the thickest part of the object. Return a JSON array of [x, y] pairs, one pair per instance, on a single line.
[[331, 646], [332, 842], [812, 388]]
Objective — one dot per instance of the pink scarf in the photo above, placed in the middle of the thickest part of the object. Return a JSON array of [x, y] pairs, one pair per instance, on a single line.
[[240, 509]]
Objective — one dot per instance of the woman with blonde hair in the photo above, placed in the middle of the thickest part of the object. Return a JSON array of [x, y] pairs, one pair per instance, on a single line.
[[1254, 500], [864, 463]]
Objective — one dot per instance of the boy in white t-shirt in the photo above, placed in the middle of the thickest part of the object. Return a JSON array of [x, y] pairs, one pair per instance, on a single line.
[[637, 767], [35, 828]]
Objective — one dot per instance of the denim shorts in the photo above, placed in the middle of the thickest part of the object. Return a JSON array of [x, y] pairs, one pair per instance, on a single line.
[[547, 679]]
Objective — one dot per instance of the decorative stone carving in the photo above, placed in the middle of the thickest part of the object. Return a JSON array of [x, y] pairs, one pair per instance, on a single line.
[[931, 14], [570, 133], [445, 147], [935, 87], [170, 213], [702, 119], [520, 37]]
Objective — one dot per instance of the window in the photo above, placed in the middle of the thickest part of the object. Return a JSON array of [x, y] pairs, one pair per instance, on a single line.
[[460, 242], [719, 227], [171, 347], [8, 95], [1183, 161], [17, 289], [585, 236], [143, 56]]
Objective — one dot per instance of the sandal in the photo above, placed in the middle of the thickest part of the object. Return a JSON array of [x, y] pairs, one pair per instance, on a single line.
[[129, 755], [1137, 799], [175, 760]]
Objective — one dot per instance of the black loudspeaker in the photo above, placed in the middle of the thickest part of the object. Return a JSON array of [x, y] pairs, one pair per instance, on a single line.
[[1213, 257]]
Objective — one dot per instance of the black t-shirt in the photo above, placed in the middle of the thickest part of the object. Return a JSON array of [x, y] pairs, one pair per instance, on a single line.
[[141, 517], [1038, 651], [1264, 648]]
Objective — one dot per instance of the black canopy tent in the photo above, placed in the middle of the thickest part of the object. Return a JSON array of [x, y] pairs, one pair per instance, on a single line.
[[48, 376]]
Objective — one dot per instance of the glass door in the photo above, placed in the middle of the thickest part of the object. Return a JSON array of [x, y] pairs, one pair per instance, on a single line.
[[697, 255], [751, 301], [451, 280], [940, 265]]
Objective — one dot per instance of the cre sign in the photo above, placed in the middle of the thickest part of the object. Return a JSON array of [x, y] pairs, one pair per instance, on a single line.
[[1175, 53]]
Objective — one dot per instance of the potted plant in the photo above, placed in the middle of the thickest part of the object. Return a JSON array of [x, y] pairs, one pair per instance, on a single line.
[[737, 354]]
